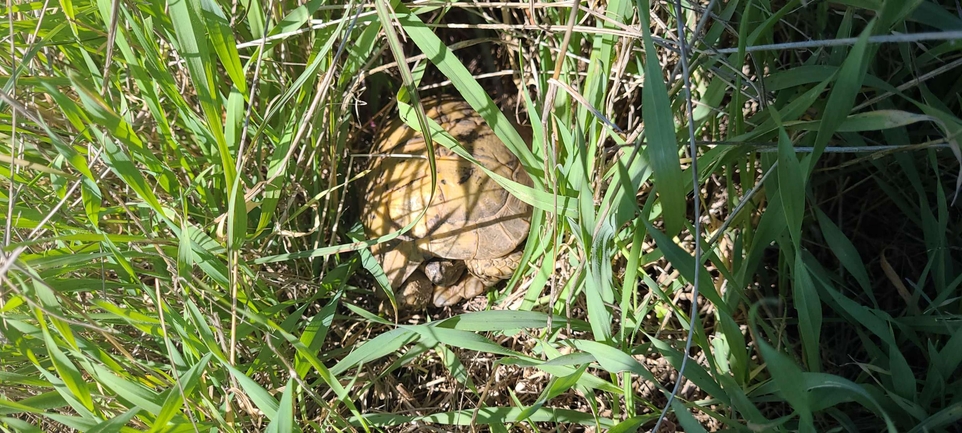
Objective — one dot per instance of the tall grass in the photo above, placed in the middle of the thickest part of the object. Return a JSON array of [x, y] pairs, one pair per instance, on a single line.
[[181, 249]]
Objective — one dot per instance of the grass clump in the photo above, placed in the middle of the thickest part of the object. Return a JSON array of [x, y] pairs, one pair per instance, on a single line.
[[180, 247]]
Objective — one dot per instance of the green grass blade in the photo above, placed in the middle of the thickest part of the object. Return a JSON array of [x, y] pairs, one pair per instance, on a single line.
[[809, 308], [222, 39], [69, 374], [187, 20], [841, 100], [846, 252], [472, 92], [285, 416], [662, 146], [789, 379], [257, 394]]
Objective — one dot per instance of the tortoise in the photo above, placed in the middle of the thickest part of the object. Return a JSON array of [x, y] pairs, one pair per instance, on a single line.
[[470, 236]]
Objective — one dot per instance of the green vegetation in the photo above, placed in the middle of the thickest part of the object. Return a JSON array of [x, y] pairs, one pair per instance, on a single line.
[[179, 213]]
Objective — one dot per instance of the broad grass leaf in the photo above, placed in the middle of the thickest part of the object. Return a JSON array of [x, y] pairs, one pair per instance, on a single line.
[[75, 422], [192, 46], [65, 368], [630, 281], [558, 366], [284, 422], [369, 263], [295, 18], [893, 12], [455, 367], [662, 146], [8, 407], [903, 378], [272, 190], [936, 16], [236, 216], [472, 92], [78, 119], [620, 205], [117, 423], [599, 289], [869, 121], [35, 404], [221, 37], [56, 262], [19, 425], [257, 394], [693, 371], [824, 386], [631, 424], [612, 359], [149, 324], [235, 115], [594, 234], [576, 358], [196, 248], [153, 80], [809, 308], [92, 198], [791, 185], [198, 325], [846, 252], [121, 164], [362, 49], [174, 399], [586, 381], [737, 397], [375, 348], [809, 74], [387, 20], [132, 392], [574, 176], [505, 320], [791, 111], [70, 12], [949, 416], [462, 339], [790, 383], [556, 386], [100, 112], [50, 304], [770, 227], [685, 264], [952, 128], [841, 99], [256, 19], [122, 260], [315, 332], [685, 418], [733, 338], [950, 356], [185, 260], [864, 316]]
